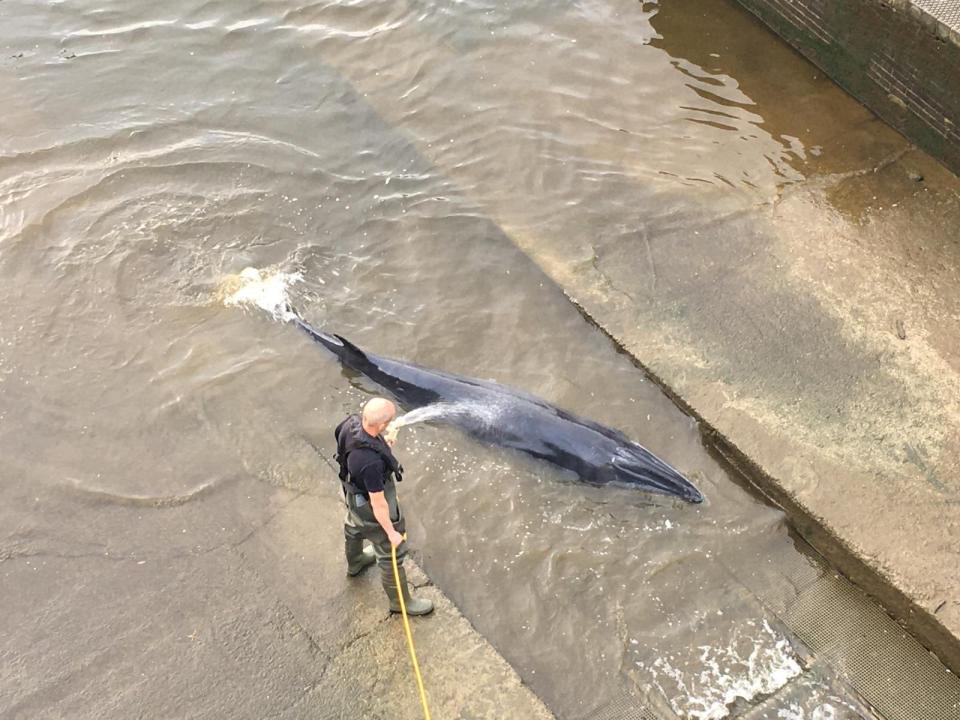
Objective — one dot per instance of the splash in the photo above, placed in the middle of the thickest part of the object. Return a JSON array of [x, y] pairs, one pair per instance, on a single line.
[[423, 414], [265, 289], [726, 674], [486, 413]]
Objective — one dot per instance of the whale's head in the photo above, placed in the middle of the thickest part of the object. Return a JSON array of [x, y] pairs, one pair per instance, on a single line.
[[635, 465]]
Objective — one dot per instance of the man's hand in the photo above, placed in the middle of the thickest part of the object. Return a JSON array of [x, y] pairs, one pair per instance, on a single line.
[[390, 434], [381, 512]]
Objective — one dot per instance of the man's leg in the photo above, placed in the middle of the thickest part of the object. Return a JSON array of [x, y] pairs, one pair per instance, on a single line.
[[414, 605], [381, 546], [360, 524], [358, 557]]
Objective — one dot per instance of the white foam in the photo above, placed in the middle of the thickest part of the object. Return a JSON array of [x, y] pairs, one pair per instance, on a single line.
[[265, 289], [826, 710], [725, 675]]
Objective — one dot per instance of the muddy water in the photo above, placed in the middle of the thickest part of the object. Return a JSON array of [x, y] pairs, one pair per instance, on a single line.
[[394, 155]]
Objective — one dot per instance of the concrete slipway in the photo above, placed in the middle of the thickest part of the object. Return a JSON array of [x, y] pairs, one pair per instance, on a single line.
[[814, 333]]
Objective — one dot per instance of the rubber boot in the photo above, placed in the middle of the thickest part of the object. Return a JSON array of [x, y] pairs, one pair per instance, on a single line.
[[358, 557], [415, 606]]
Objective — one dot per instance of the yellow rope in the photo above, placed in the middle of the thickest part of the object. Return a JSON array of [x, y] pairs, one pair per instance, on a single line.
[[406, 626]]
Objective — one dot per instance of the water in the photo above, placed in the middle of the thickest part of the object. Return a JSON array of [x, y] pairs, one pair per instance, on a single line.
[[381, 164], [423, 414], [487, 414]]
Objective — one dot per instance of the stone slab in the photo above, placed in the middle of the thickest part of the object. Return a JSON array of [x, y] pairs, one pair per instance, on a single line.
[[900, 58]]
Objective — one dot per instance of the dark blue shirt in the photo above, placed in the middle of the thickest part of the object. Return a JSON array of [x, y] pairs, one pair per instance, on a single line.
[[367, 470]]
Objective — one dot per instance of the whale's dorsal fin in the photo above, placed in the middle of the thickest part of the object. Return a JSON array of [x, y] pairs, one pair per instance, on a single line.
[[350, 347]]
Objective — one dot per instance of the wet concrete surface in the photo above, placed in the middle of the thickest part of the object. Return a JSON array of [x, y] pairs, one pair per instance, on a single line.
[[257, 621], [826, 361]]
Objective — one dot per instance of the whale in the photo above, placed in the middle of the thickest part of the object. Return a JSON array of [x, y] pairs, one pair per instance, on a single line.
[[502, 416]]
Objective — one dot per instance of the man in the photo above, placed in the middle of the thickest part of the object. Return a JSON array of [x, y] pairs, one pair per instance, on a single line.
[[369, 473]]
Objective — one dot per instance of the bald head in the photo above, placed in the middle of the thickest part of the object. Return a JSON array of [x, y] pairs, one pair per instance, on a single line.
[[377, 414]]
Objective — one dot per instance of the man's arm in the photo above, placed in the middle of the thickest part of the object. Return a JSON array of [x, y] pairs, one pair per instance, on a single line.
[[381, 511]]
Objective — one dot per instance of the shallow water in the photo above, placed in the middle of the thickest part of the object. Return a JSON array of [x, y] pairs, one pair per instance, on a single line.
[[392, 157]]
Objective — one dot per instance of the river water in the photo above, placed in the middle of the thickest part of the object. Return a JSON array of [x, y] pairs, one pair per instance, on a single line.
[[392, 155]]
